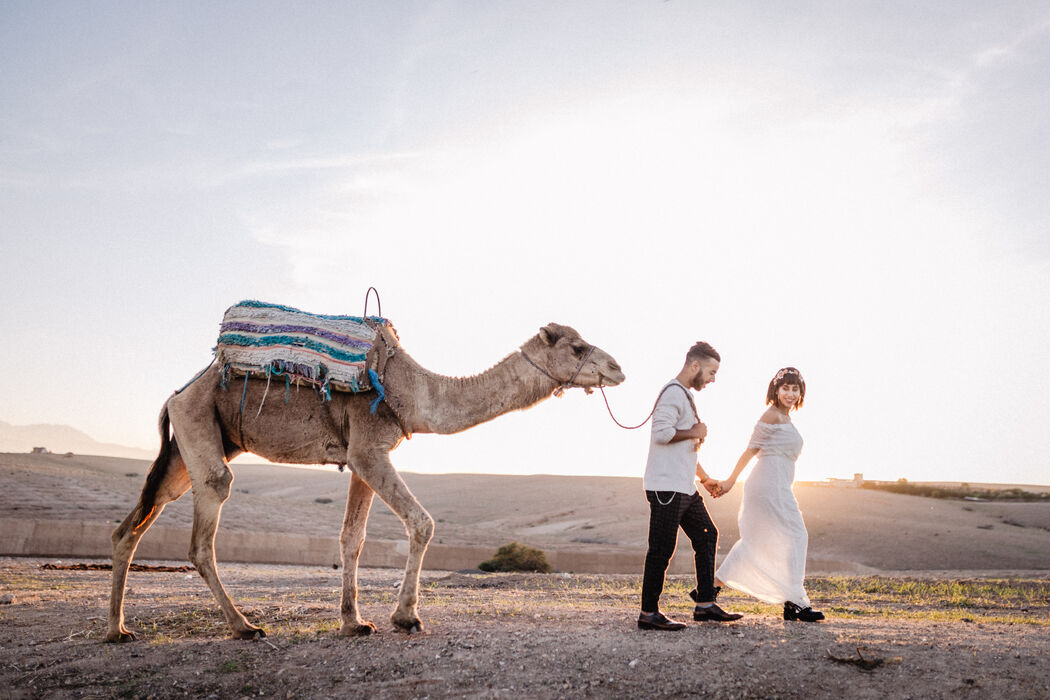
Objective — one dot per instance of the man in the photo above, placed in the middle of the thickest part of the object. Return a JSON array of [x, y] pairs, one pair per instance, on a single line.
[[673, 499]]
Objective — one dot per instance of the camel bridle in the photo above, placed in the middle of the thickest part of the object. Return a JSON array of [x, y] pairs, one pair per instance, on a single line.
[[562, 386]]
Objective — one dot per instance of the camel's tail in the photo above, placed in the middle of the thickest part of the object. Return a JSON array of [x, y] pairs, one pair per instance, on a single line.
[[157, 471]]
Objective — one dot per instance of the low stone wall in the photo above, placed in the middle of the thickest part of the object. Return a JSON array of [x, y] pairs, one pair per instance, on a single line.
[[65, 538]]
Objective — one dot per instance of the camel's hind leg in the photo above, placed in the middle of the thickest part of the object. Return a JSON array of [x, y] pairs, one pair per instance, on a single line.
[[200, 440], [375, 468], [351, 539], [173, 482]]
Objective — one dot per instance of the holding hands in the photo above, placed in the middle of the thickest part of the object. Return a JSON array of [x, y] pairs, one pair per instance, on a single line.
[[717, 488]]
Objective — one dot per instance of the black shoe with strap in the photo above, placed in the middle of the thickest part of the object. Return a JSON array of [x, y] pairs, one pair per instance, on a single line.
[[794, 612], [711, 613], [658, 621]]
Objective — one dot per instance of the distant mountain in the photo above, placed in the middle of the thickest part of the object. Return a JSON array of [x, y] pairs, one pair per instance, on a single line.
[[61, 439]]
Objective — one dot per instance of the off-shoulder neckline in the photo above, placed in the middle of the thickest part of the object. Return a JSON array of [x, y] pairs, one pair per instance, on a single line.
[[762, 422]]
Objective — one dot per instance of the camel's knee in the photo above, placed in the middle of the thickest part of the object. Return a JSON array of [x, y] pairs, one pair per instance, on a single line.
[[219, 481], [422, 529]]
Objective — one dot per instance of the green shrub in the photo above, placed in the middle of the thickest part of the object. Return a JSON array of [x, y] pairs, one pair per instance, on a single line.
[[517, 557]]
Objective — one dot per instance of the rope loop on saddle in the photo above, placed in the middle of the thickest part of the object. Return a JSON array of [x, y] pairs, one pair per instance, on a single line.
[[379, 304]]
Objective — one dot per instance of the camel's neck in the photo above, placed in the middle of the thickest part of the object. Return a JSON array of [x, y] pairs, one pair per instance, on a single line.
[[433, 403]]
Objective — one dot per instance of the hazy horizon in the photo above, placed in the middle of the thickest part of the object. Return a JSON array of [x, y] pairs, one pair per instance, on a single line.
[[254, 460]]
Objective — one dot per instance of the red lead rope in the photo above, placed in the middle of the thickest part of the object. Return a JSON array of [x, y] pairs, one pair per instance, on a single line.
[[635, 427], [626, 427]]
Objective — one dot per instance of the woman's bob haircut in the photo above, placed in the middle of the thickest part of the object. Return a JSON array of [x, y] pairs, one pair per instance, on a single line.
[[788, 375]]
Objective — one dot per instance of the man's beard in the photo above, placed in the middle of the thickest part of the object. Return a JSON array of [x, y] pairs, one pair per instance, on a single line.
[[698, 383]]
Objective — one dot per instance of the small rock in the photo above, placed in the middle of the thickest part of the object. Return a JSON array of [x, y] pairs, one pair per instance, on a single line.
[[7, 599], [634, 663]]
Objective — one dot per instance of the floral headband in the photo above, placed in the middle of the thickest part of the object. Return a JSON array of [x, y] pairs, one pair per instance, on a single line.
[[785, 372]]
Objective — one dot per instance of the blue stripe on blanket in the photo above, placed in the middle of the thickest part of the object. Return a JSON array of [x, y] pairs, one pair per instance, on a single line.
[[291, 341]]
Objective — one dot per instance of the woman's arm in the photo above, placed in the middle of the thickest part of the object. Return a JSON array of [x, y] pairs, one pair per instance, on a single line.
[[745, 457]]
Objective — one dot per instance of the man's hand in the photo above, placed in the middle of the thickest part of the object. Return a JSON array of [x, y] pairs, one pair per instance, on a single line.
[[713, 487], [697, 433], [724, 487]]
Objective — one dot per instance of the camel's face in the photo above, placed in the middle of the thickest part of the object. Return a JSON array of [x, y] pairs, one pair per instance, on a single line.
[[574, 361]]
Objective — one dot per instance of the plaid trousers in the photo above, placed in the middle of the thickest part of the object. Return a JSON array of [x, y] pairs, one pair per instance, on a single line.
[[689, 513]]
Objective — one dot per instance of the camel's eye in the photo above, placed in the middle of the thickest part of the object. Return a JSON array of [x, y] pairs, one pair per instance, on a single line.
[[579, 350]]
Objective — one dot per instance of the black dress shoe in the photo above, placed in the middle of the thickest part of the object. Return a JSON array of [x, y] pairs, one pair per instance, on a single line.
[[657, 621], [794, 612], [713, 613]]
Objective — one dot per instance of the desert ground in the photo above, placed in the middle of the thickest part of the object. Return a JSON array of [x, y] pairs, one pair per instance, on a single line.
[[925, 598]]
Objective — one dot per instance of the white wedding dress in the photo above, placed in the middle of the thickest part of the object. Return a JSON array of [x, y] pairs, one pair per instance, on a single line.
[[769, 560]]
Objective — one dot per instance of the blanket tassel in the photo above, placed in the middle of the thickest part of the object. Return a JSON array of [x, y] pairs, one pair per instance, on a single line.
[[374, 378]]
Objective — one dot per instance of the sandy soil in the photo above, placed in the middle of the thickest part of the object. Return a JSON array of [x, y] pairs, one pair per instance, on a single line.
[[512, 635], [492, 636]]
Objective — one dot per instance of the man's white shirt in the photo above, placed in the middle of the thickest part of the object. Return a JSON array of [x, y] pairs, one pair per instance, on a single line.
[[671, 466]]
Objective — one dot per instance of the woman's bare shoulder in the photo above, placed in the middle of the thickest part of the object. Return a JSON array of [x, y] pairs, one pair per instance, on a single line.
[[773, 417]]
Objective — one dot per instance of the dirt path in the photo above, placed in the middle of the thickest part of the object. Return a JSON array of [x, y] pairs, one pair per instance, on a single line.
[[515, 635]]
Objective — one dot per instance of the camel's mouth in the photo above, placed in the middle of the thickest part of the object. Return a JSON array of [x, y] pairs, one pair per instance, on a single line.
[[611, 380]]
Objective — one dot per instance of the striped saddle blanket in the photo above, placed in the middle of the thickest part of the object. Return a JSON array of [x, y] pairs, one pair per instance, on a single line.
[[327, 352]]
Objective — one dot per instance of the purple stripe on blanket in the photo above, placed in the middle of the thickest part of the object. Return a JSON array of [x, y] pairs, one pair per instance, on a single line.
[[288, 328]]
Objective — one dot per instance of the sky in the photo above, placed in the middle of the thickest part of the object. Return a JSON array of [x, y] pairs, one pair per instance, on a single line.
[[856, 189]]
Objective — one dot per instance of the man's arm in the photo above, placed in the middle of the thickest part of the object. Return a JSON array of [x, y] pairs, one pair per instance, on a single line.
[[712, 485], [666, 417]]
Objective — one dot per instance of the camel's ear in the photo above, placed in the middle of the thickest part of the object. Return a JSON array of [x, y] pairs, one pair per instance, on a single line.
[[549, 334]]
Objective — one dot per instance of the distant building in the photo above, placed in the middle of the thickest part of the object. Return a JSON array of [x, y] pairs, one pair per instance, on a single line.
[[40, 451], [855, 483]]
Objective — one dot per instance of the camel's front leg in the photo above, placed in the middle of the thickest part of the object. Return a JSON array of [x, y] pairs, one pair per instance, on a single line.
[[351, 539], [375, 468]]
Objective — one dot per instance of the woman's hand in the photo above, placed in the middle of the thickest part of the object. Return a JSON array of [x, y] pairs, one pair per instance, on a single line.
[[712, 486], [725, 486]]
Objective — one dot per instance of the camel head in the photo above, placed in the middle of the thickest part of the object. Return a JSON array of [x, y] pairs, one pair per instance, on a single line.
[[560, 353]]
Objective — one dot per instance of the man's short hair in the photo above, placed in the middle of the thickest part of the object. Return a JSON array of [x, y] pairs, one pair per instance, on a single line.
[[701, 351]]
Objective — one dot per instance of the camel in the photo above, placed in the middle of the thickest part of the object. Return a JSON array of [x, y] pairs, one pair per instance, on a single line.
[[210, 424]]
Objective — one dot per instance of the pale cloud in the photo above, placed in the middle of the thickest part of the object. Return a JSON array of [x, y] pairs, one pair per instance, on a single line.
[[994, 56]]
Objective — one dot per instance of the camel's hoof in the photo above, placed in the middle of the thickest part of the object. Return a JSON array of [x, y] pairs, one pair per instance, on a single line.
[[120, 637], [358, 630], [252, 633], [409, 626]]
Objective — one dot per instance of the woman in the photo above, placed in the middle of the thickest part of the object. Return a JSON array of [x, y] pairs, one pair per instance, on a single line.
[[769, 560]]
